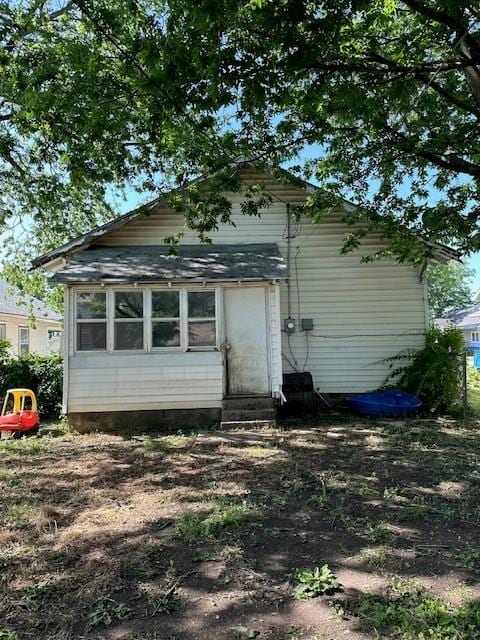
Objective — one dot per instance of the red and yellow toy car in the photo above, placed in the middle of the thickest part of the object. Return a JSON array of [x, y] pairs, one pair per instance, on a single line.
[[19, 413]]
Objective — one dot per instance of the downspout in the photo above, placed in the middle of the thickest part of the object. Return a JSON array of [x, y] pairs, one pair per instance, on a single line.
[[66, 347], [289, 253]]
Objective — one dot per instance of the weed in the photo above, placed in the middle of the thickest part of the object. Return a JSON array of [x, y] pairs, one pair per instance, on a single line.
[[318, 500], [365, 491], [166, 443], [191, 528], [312, 583], [411, 612], [417, 511], [167, 603], [377, 533], [374, 557], [30, 446], [15, 515], [7, 635], [153, 445], [391, 494], [106, 610], [468, 559], [33, 596]]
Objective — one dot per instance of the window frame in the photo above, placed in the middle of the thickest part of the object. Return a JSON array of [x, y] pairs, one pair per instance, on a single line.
[[22, 327], [4, 331], [475, 336], [152, 319], [77, 320], [210, 347], [147, 319], [113, 319]]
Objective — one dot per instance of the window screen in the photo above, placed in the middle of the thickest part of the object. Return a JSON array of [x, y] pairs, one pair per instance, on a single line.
[[201, 319], [91, 321]]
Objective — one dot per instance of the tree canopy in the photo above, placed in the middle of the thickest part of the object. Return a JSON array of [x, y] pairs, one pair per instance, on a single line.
[[381, 96], [449, 288]]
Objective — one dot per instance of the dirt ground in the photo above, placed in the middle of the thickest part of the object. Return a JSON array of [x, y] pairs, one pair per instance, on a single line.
[[199, 536]]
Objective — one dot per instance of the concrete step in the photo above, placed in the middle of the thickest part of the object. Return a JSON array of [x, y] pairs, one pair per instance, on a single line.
[[247, 414], [247, 424], [248, 402]]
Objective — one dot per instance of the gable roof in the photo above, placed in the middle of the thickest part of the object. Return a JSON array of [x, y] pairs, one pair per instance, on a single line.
[[15, 303], [83, 241], [154, 263]]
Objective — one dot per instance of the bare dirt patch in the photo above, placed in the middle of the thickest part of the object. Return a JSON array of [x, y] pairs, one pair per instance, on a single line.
[[198, 537]]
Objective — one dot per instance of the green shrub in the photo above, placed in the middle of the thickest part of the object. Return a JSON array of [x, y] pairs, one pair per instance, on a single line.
[[42, 374], [434, 373]]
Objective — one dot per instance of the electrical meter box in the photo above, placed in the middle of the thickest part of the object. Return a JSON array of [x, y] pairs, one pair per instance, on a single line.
[[289, 325]]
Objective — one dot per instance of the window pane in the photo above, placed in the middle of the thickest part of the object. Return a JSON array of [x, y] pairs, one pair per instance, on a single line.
[[165, 334], [91, 336], [3, 331], [129, 304], [165, 304], [91, 305], [201, 333], [128, 335], [201, 304], [24, 340]]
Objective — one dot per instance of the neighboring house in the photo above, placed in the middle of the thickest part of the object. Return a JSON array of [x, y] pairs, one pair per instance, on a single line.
[[468, 321], [27, 323], [150, 336]]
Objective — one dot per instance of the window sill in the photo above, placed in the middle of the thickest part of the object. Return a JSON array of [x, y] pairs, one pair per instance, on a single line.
[[153, 351]]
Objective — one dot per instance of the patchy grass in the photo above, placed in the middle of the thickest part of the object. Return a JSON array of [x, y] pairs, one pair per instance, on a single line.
[[201, 536], [408, 611], [192, 528]]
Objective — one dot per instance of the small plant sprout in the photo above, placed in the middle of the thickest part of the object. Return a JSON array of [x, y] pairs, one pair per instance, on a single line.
[[311, 583], [106, 610]]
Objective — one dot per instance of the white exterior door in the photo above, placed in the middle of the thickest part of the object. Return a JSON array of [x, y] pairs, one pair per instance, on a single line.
[[246, 325]]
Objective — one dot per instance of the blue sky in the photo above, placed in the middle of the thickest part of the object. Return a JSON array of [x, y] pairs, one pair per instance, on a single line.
[[474, 263]]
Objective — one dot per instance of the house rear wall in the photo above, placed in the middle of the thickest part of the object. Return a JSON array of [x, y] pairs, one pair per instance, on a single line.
[[362, 312]]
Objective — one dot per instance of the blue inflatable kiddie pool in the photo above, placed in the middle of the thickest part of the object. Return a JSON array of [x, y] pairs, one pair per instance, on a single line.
[[385, 403]]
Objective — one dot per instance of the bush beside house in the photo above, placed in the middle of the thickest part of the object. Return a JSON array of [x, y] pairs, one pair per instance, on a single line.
[[41, 373], [434, 373]]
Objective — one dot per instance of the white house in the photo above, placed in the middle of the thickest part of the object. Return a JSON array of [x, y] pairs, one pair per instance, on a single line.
[[27, 323], [150, 337], [468, 321]]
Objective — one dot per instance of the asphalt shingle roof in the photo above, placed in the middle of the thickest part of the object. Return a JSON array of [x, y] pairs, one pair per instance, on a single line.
[[245, 262], [468, 318], [14, 303]]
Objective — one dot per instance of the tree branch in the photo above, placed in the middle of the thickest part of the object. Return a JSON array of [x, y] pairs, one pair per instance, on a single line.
[[435, 66], [452, 162]]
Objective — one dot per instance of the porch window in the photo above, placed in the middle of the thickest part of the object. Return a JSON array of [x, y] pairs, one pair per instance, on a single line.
[[165, 319], [23, 340], [201, 319], [91, 316], [128, 321]]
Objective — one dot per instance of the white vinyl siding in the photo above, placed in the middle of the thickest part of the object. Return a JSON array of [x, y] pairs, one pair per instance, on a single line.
[[116, 382]]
